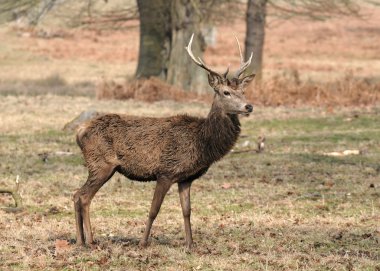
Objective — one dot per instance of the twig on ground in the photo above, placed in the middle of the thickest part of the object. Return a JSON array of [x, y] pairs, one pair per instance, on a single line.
[[259, 149], [15, 195]]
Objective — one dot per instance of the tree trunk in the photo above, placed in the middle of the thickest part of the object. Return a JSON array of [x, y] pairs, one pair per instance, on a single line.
[[36, 13], [255, 36], [165, 30], [154, 29], [186, 20]]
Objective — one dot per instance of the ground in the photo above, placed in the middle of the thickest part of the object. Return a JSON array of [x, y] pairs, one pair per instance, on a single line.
[[292, 207]]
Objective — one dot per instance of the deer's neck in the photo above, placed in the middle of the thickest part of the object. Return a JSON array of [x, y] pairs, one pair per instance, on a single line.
[[219, 133]]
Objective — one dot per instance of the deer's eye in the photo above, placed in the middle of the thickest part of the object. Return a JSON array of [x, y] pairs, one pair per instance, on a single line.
[[227, 93]]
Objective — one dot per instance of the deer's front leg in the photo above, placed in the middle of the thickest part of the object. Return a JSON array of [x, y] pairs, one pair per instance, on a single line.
[[162, 188], [184, 195]]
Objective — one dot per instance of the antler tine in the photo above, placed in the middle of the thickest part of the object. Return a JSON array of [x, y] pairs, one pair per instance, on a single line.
[[226, 72], [198, 60], [243, 65], [241, 54]]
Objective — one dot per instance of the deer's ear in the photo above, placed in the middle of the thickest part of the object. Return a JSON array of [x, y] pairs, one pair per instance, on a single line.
[[214, 79], [244, 82]]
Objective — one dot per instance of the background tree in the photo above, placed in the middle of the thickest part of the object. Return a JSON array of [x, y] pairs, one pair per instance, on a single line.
[[154, 25], [255, 34], [187, 17], [166, 26], [165, 30], [32, 10], [316, 10]]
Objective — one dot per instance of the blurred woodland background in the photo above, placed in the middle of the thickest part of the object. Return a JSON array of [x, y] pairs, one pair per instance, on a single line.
[[305, 52]]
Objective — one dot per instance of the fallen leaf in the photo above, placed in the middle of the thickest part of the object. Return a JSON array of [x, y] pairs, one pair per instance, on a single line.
[[102, 261], [226, 185], [329, 183], [61, 246]]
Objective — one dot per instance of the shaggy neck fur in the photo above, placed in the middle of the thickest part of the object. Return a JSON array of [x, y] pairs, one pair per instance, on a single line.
[[219, 133]]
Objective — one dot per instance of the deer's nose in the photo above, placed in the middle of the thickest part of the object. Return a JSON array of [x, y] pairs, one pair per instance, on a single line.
[[249, 107]]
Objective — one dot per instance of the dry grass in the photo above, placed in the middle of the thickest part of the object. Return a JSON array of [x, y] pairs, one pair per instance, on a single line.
[[147, 90], [286, 209], [53, 84], [279, 91], [290, 91], [285, 90]]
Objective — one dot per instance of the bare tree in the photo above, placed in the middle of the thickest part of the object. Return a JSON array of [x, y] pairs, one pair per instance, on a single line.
[[33, 10], [316, 10], [255, 33], [165, 27], [154, 24]]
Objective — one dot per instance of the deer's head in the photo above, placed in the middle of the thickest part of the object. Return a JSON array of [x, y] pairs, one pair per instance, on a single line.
[[229, 92]]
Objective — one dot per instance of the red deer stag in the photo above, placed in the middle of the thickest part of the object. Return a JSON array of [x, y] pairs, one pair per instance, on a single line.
[[177, 149]]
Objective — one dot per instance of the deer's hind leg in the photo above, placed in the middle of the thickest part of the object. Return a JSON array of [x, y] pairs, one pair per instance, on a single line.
[[82, 200]]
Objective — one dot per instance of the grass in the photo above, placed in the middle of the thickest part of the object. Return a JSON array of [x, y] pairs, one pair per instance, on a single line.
[[52, 84], [289, 208]]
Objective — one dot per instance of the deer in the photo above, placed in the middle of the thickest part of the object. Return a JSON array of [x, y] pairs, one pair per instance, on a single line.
[[168, 150]]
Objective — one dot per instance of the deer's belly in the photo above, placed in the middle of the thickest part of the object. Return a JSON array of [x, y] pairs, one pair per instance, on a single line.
[[136, 175]]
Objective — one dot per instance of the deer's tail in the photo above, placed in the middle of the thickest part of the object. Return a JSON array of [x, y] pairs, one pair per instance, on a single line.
[[81, 131]]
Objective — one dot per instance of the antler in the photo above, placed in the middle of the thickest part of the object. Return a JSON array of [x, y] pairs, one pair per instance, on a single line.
[[199, 61], [226, 72], [243, 65]]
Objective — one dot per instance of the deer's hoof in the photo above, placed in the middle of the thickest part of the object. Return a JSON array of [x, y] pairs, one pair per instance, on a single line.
[[79, 243], [143, 244], [189, 248], [93, 246]]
